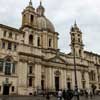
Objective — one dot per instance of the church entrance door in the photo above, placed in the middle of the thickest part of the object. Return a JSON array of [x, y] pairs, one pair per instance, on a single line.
[[57, 83], [6, 90], [68, 85]]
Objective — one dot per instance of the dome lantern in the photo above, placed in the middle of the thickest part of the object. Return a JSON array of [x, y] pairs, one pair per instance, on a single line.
[[40, 10]]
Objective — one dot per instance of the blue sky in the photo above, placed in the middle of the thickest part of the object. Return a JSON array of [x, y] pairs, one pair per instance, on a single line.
[[62, 13]]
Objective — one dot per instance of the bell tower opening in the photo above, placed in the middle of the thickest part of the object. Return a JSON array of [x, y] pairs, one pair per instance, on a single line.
[[76, 41], [28, 15], [31, 19]]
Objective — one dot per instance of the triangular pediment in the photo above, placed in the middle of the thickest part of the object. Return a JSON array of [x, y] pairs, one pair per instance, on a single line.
[[57, 59]]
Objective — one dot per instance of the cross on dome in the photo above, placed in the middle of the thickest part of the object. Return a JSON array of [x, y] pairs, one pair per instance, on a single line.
[[30, 3]]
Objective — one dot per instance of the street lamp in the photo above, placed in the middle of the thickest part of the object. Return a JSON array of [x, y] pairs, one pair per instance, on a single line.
[[75, 72]]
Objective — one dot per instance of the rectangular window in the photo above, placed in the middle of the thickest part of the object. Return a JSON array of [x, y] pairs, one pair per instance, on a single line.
[[10, 35], [38, 41], [9, 45], [3, 45], [15, 36], [30, 69], [15, 47], [13, 68], [1, 66], [13, 88], [4, 34], [8, 68], [30, 81]]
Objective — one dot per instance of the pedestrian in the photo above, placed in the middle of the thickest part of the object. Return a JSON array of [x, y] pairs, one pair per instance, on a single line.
[[91, 94], [48, 96], [69, 94], [64, 94], [59, 95], [86, 94]]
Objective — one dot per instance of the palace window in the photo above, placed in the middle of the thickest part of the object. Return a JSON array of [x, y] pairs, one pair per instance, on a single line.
[[30, 81], [8, 67], [9, 45], [1, 66], [30, 69], [31, 39], [10, 35], [13, 68], [13, 88], [3, 45], [38, 41], [15, 47], [92, 76], [4, 34], [15, 36]]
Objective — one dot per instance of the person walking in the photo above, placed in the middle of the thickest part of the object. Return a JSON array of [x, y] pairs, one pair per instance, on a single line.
[[69, 94], [59, 95], [47, 96], [91, 94], [64, 94]]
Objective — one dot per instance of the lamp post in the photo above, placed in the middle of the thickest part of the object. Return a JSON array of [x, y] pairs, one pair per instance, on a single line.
[[75, 72]]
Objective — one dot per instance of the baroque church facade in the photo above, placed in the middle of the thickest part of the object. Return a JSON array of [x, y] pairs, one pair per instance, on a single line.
[[30, 59]]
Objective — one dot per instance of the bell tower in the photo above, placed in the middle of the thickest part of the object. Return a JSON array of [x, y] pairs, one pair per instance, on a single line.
[[76, 41], [28, 15]]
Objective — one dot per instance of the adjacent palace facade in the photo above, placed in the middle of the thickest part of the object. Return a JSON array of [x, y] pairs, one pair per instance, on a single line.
[[30, 59]]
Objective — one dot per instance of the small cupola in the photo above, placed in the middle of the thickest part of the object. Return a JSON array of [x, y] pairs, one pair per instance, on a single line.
[[40, 10]]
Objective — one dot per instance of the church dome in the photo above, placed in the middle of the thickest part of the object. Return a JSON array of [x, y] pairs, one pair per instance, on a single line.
[[44, 23]]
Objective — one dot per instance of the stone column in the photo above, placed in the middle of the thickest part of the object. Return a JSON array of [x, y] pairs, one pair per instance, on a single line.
[[37, 76], [22, 78], [96, 78], [73, 80], [62, 80], [49, 78], [87, 80], [53, 75]]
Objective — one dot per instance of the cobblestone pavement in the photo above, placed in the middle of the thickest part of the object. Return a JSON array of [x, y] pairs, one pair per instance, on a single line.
[[40, 98]]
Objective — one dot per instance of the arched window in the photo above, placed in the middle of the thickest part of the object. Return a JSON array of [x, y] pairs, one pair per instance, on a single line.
[[9, 66], [50, 42], [31, 39], [31, 19]]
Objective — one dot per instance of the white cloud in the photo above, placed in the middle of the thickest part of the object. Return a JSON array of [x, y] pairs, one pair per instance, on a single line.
[[62, 13]]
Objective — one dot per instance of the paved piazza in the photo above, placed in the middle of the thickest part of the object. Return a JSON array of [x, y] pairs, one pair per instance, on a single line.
[[41, 98]]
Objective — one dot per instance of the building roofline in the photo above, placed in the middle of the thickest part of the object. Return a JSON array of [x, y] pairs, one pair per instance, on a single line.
[[92, 53], [10, 28]]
